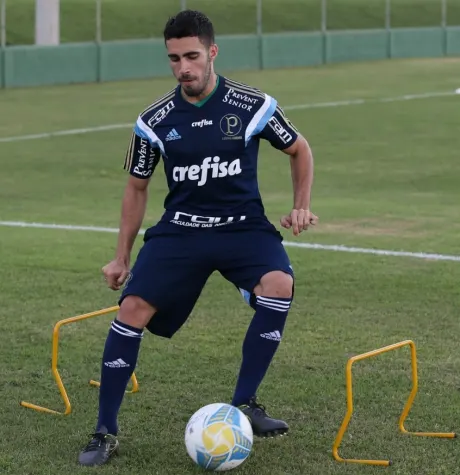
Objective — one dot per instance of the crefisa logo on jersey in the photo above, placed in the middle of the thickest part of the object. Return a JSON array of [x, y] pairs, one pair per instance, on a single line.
[[231, 126], [211, 167], [143, 168], [202, 123]]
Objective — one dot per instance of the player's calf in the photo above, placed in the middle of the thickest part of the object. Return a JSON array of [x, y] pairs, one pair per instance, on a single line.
[[118, 363], [273, 301]]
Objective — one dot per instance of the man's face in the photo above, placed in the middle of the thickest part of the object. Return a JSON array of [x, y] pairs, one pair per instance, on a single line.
[[191, 62]]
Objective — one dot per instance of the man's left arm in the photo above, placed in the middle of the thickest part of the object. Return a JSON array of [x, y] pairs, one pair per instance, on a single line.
[[282, 135]]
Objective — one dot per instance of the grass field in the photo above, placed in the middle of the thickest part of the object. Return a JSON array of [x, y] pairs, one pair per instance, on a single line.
[[146, 18], [387, 177]]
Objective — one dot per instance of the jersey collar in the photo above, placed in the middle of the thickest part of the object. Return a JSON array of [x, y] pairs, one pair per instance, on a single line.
[[208, 98]]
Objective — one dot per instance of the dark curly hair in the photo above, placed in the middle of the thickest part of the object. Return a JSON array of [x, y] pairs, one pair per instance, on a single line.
[[190, 23]]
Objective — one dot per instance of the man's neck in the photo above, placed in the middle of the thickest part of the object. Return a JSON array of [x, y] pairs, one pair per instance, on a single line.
[[209, 88]]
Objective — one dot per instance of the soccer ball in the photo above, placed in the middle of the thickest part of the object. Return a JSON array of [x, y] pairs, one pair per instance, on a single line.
[[218, 437]]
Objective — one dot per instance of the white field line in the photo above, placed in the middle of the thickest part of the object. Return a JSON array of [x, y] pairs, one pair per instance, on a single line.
[[303, 245], [314, 105], [59, 133]]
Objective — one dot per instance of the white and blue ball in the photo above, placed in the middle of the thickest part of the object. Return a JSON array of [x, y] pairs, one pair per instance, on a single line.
[[218, 437]]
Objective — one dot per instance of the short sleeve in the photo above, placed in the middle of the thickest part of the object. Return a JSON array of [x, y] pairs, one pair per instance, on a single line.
[[279, 131], [141, 157]]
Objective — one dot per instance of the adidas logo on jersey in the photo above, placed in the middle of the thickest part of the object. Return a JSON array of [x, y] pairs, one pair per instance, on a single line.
[[211, 167], [173, 135]]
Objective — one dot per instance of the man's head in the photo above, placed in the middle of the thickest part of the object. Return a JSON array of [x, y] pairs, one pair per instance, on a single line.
[[189, 39]]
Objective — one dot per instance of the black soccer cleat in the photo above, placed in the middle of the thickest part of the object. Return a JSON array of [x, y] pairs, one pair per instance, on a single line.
[[99, 450], [262, 424]]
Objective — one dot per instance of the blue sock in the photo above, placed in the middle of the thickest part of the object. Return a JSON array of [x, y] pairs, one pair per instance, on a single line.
[[118, 363], [261, 342]]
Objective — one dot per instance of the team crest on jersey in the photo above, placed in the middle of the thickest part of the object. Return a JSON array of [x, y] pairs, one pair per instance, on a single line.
[[231, 126]]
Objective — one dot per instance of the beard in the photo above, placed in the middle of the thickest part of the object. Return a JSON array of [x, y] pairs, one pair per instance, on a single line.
[[196, 90]]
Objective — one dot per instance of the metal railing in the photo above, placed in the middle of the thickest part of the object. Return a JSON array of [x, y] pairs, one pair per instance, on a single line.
[[106, 21]]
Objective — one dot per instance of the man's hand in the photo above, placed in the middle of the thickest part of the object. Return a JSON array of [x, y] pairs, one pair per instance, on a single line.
[[299, 220], [115, 273]]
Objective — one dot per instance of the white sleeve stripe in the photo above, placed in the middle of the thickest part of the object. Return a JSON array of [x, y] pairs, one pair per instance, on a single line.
[[150, 135], [260, 119]]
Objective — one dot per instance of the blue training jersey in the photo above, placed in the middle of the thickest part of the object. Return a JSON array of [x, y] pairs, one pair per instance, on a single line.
[[210, 152]]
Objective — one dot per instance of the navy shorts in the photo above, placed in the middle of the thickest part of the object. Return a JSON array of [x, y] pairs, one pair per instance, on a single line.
[[172, 268]]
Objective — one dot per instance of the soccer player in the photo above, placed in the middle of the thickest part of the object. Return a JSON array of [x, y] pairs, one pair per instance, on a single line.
[[207, 132]]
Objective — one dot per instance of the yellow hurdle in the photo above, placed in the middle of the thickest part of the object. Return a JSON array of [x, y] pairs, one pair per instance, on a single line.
[[404, 414], [54, 363]]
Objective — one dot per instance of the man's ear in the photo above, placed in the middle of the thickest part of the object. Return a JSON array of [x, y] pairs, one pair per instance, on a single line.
[[213, 51]]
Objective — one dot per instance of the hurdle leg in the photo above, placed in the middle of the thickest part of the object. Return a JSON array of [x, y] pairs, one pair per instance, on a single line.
[[54, 364], [405, 413], [410, 401]]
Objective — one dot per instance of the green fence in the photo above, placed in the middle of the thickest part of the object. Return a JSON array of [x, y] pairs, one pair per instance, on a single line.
[[138, 59], [105, 40], [84, 21]]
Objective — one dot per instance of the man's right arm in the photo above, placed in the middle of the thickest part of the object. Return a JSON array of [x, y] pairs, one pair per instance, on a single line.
[[132, 213], [140, 162]]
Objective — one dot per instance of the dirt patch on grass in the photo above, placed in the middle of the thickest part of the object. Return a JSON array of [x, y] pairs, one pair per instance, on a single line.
[[374, 227]]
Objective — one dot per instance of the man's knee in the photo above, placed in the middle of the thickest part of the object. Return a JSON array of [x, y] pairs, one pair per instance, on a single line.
[[135, 312], [275, 284]]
